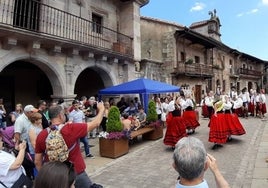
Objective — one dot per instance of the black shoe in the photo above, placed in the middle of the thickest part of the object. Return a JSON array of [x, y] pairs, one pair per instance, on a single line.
[[90, 156], [214, 147], [219, 145]]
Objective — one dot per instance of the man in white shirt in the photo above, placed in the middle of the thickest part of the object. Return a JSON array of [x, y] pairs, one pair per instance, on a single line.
[[22, 123], [191, 161], [78, 116]]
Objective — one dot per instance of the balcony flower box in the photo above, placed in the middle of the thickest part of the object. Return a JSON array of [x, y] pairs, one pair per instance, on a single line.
[[119, 47]]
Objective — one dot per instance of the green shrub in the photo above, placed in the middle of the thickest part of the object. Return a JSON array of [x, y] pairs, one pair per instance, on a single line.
[[114, 123], [151, 113]]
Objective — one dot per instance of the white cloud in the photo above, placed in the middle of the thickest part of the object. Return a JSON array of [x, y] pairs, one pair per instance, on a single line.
[[240, 15], [264, 2], [197, 7], [253, 11]]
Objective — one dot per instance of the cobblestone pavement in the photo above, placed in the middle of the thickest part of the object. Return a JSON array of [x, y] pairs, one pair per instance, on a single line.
[[149, 163]]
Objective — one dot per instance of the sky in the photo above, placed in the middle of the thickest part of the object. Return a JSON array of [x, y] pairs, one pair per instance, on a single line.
[[244, 22]]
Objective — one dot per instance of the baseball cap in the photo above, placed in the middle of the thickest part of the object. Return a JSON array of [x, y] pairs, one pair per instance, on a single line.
[[30, 108]]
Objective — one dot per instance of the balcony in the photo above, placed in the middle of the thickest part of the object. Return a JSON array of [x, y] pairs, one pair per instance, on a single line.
[[194, 70], [249, 73], [233, 73], [30, 20]]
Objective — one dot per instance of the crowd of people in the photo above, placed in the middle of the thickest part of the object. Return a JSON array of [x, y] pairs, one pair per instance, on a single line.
[[86, 118], [30, 127], [223, 111]]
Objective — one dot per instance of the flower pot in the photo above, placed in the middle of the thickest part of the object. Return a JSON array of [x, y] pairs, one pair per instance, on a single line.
[[113, 148], [154, 135], [118, 47]]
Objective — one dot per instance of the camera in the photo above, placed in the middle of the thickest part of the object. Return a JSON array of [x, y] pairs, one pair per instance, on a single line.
[[95, 105]]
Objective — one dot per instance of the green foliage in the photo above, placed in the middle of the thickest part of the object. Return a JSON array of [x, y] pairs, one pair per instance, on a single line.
[[151, 114], [189, 61], [114, 123]]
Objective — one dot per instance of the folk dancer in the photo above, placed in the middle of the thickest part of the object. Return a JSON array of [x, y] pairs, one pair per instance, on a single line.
[[209, 103], [245, 98], [189, 114], [176, 128], [252, 103], [237, 105], [218, 129], [260, 104], [231, 120]]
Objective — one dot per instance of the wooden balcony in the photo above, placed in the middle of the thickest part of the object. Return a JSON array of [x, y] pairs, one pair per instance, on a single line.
[[31, 20], [249, 73], [194, 70]]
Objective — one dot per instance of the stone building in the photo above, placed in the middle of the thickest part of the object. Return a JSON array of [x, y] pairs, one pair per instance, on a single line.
[[66, 48], [195, 58]]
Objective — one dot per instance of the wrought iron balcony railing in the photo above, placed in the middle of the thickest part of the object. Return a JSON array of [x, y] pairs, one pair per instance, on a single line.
[[42, 19]]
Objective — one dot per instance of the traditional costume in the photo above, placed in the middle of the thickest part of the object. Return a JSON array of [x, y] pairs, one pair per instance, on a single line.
[[204, 113], [218, 132], [189, 115], [232, 121], [209, 103], [237, 106], [176, 128], [252, 103]]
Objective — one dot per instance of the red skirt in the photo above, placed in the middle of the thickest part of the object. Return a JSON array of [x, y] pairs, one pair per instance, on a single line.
[[238, 112], [176, 129], [205, 111], [251, 108], [190, 118], [263, 108], [218, 132], [234, 125]]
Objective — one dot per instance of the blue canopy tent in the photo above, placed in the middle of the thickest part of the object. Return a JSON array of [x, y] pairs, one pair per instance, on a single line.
[[141, 86]]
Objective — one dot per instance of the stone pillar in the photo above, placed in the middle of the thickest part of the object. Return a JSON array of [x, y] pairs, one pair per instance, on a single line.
[[68, 95]]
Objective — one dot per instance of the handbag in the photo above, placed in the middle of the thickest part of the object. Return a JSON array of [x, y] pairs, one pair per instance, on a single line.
[[22, 182]]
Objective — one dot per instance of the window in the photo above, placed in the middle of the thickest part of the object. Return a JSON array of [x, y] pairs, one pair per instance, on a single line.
[[223, 85], [231, 66], [96, 23], [26, 14], [196, 59], [182, 57]]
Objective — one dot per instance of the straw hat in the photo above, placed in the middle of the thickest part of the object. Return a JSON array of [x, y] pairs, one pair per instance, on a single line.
[[219, 106]]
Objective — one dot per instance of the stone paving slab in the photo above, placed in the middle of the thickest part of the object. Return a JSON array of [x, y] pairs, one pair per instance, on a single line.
[[148, 163]]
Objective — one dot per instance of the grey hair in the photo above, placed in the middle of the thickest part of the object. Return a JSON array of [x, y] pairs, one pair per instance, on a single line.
[[189, 158], [54, 111]]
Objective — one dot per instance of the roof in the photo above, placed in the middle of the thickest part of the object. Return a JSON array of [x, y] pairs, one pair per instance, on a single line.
[[162, 21], [196, 37]]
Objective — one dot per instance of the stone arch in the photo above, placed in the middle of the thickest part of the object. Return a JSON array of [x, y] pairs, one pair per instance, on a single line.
[[42, 62], [102, 68]]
